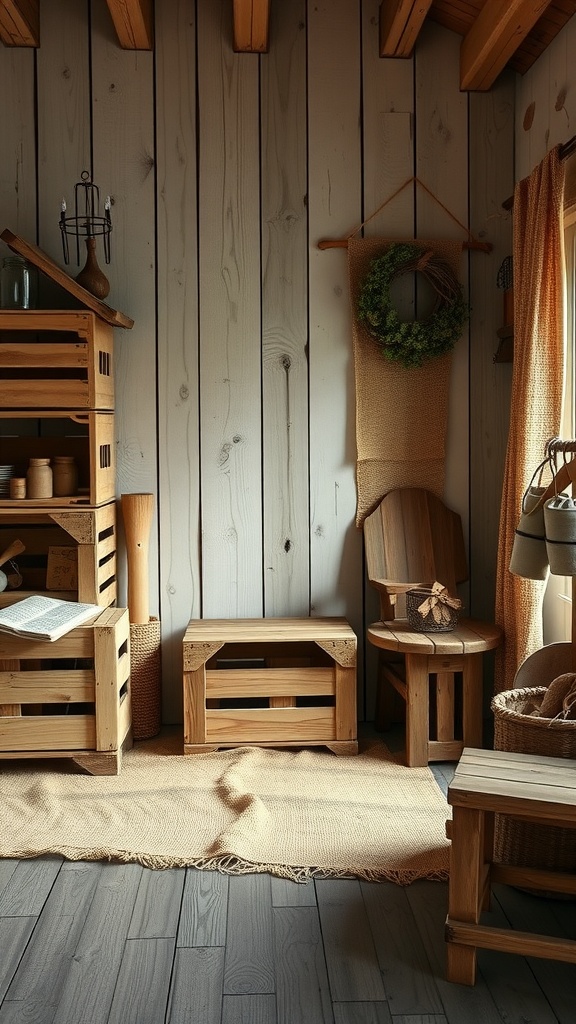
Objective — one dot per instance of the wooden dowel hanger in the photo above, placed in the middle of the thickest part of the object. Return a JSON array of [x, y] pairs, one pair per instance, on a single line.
[[564, 151], [563, 477], [469, 243]]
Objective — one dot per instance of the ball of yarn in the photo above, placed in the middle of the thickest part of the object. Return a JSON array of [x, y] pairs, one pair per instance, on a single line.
[[560, 697]]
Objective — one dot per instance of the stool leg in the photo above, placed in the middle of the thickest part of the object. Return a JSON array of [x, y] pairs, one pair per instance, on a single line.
[[465, 890], [417, 710], [472, 700]]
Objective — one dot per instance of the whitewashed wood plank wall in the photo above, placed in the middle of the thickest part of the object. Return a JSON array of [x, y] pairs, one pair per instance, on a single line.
[[235, 388]]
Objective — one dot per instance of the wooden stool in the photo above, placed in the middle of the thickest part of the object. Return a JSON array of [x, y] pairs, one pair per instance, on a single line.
[[488, 782], [439, 655], [310, 659]]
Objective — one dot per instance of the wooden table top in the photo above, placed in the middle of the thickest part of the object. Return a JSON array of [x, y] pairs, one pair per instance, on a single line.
[[469, 637], [528, 785], [273, 630]]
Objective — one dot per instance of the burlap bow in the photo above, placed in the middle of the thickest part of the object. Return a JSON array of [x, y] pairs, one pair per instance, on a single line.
[[439, 603]]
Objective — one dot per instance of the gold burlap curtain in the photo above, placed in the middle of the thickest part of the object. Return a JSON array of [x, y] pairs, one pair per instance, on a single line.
[[536, 398], [401, 413]]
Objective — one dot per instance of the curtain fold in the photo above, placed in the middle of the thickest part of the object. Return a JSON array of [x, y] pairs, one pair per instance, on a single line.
[[536, 398]]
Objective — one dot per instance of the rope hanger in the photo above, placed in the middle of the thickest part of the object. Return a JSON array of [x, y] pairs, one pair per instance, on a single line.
[[471, 243]]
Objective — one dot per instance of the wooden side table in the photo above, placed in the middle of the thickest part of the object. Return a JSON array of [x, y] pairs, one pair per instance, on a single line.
[[271, 683], [487, 782]]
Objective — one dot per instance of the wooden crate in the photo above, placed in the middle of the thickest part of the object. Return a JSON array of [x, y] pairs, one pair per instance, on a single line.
[[55, 359], [88, 436], [52, 707], [270, 682], [92, 532]]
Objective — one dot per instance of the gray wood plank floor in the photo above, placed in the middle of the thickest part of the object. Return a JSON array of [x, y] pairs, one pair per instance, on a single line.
[[100, 943]]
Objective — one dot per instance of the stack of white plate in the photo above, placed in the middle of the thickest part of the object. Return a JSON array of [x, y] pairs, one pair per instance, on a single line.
[[5, 473]]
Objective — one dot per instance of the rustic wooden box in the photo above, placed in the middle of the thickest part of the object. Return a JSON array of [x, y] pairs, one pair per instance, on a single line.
[[88, 436], [55, 359], [271, 683], [92, 532], [70, 698]]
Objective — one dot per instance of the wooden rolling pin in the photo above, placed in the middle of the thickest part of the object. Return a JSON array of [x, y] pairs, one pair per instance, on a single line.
[[137, 512], [13, 549]]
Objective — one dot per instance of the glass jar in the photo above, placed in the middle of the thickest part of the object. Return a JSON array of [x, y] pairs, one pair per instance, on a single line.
[[18, 284], [65, 476], [39, 479]]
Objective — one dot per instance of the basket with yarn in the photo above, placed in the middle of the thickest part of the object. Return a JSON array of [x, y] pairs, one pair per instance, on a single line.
[[432, 609]]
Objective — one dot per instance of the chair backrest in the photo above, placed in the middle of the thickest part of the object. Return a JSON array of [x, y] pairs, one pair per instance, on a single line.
[[412, 539]]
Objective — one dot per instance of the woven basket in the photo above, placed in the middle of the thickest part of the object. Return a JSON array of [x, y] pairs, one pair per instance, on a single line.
[[427, 623], [524, 843], [146, 679]]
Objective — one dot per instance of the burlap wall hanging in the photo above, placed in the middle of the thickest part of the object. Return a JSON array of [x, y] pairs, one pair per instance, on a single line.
[[401, 411]]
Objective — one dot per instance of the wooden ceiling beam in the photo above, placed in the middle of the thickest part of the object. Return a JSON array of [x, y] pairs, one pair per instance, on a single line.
[[498, 31], [19, 22], [134, 23], [400, 23], [251, 26]]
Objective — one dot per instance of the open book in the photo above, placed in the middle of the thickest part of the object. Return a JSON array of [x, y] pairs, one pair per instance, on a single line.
[[45, 618]]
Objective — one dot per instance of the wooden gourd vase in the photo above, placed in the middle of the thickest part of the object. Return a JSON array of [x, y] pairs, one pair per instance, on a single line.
[[91, 277]]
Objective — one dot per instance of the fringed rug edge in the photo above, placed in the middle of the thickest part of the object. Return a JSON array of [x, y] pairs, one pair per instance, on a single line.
[[231, 865]]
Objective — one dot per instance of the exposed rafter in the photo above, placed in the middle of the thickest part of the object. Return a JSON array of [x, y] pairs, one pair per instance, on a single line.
[[494, 37], [134, 23], [251, 26], [19, 22], [400, 23]]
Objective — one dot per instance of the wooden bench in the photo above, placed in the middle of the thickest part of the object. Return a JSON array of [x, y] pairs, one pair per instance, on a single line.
[[487, 782], [270, 682]]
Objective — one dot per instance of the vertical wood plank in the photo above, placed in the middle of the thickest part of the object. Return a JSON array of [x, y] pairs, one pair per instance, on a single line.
[[334, 183], [64, 137], [442, 164], [284, 316], [178, 436], [177, 338], [28, 887], [123, 145], [18, 164], [491, 182], [14, 936], [388, 162], [230, 342]]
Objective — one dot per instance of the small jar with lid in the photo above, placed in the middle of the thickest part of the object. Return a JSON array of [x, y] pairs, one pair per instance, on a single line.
[[39, 483], [65, 476], [18, 284]]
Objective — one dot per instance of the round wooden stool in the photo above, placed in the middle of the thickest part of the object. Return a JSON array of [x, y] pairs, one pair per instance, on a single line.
[[440, 655]]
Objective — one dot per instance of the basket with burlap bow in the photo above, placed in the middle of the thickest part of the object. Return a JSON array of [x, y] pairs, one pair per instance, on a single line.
[[432, 609]]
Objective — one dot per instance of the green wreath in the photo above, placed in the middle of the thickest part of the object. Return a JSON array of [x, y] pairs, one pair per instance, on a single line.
[[414, 341]]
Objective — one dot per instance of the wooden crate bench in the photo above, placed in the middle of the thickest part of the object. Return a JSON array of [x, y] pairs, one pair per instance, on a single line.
[[88, 667], [537, 789], [302, 670], [90, 533]]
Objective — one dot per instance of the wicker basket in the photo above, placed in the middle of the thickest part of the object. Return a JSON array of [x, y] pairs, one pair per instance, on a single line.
[[427, 623], [524, 843], [146, 679]]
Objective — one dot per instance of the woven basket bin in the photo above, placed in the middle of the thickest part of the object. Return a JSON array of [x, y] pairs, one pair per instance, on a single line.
[[427, 623], [527, 844], [146, 679]]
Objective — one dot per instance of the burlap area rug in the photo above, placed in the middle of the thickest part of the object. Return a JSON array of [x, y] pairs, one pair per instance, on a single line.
[[295, 814]]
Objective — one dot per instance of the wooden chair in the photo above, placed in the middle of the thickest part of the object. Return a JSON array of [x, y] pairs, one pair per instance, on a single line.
[[413, 539]]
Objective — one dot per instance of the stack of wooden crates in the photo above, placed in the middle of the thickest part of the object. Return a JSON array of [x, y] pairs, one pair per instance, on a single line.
[[70, 698]]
